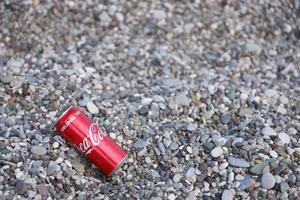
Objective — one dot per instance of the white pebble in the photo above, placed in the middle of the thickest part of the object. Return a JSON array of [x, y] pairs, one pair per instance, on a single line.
[[92, 108], [171, 197], [146, 101], [68, 163], [216, 152], [227, 195], [284, 138], [269, 131], [55, 145], [273, 154], [267, 180], [224, 165], [59, 160], [189, 149]]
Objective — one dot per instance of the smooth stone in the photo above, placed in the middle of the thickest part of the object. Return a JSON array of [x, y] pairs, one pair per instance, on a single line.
[[268, 131], [245, 112], [172, 82], [182, 99], [55, 145], [284, 187], [146, 101], [267, 180], [20, 187], [173, 146], [208, 114], [52, 168], [139, 143], [159, 14], [155, 174], [227, 195], [42, 189], [273, 154], [192, 127], [92, 108], [38, 150], [190, 175], [238, 162], [104, 17], [258, 168], [208, 146], [252, 47], [161, 147], [176, 178], [78, 166], [246, 183], [225, 119], [284, 138], [10, 121], [5, 78], [216, 152]]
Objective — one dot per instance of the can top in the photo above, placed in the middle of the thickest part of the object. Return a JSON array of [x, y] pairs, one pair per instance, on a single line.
[[62, 116]]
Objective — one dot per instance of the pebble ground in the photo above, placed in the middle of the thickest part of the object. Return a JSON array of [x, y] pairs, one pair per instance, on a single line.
[[204, 95]]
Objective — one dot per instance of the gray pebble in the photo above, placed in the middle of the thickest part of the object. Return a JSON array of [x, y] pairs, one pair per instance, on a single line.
[[225, 119], [238, 162], [92, 108], [227, 195], [10, 121], [139, 143], [258, 168], [182, 99], [284, 187], [192, 127], [20, 187], [5, 78], [52, 168], [267, 180], [246, 183], [38, 150], [161, 147], [173, 146], [176, 178]]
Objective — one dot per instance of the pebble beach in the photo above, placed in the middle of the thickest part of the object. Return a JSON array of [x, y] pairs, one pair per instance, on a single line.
[[203, 95]]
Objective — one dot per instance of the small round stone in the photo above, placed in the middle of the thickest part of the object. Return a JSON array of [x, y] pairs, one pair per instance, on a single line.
[[20, 187], [55, 145], [225, 119], [38, 150], [216, 152], [227, 195], [284, 138], [267, 180], [269, 131], [92, 108], [176, 178]]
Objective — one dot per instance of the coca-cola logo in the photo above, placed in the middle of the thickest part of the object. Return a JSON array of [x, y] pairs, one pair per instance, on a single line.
[[94, 138]]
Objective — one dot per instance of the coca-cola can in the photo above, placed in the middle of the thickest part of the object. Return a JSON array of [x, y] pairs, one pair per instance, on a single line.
[[88, 138]]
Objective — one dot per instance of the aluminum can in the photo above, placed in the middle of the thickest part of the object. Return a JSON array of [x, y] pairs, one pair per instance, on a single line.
[[89, 139]]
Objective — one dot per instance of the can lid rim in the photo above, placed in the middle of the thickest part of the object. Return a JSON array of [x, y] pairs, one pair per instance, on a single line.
[[62, 115], [118, 166]]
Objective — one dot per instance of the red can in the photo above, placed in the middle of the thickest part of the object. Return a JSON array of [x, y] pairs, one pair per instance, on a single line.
[[88, 138]]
